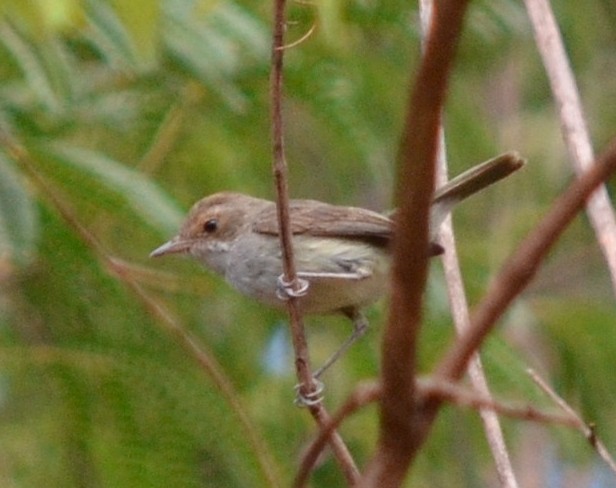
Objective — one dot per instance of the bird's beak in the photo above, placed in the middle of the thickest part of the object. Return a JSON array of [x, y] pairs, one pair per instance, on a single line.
[[174, 246]]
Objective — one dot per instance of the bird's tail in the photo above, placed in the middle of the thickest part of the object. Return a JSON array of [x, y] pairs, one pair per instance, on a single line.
[[470, 182]]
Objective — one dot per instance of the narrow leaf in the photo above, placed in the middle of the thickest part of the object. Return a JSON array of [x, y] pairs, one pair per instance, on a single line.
[[18, 218], [146, 199]]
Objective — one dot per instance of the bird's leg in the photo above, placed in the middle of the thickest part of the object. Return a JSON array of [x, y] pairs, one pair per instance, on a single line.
[[360, 325], [284, 291]]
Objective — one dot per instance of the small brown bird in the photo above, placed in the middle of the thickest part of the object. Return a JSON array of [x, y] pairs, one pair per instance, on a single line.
[[342, 253]]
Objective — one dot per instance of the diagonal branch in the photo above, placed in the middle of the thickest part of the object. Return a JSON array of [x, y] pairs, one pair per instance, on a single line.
[[521, 267], [586, 429], [573, 124]]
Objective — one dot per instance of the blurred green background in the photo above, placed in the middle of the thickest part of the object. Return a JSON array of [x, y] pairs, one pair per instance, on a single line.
[[131, 111]]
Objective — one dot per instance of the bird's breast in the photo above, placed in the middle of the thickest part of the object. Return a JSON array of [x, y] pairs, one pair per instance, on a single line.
[[341, 273]]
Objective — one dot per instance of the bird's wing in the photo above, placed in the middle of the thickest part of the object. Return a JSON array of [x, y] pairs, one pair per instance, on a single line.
[[310, 217]]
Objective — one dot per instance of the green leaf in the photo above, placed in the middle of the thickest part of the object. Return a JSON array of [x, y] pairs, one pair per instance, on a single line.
[[28, 57], [18, 218], [143, 196], [142, 20], [110, 37], [216, 46]]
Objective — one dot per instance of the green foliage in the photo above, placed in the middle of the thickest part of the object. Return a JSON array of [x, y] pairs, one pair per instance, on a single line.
[[130, 111], [18, 218]]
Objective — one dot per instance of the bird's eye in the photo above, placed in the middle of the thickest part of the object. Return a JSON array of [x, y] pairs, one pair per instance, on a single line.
[[210, 226]]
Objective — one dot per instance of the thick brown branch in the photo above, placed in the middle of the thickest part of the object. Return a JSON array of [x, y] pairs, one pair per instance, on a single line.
[[459, 306], [403, 428]]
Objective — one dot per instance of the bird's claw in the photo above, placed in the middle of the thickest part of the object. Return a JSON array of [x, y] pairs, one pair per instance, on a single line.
[[309, 399], [286, 290]]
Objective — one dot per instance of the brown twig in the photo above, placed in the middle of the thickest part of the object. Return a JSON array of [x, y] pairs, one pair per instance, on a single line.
[[433, 388], [307, 385], [403, 426], [302, 361], [428, 389], [573, 123], [363, 395], [587, 429], [460, 313], [459, 305], [123, 272], [521, 267]]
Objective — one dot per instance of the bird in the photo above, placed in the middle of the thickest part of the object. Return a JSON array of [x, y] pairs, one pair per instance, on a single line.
[[342, 254]]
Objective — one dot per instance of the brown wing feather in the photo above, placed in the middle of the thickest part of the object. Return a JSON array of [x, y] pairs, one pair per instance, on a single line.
[[310, 217], [314, 218]]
